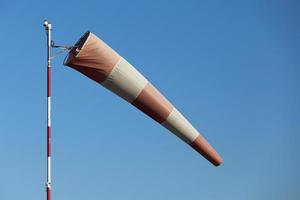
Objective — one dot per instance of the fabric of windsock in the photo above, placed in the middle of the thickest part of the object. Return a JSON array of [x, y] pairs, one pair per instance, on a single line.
[[95, 59]]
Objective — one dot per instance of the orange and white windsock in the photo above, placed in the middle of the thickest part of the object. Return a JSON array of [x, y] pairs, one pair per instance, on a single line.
[[95, 59]]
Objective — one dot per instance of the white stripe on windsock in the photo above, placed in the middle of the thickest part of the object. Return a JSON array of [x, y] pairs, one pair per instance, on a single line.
[[179, 125], [125, 81]]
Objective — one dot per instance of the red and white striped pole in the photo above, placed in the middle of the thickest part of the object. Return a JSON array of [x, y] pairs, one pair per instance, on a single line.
[[48, 28]]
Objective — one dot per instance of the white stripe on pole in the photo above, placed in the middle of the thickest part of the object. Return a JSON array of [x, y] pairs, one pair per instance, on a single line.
[[49, 111], [49, 168]]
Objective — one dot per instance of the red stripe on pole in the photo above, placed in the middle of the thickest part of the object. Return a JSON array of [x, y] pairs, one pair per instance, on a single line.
[[48, 193], [48, 81]]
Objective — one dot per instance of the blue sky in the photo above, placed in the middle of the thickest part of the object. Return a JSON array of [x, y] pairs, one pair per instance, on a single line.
[[231, 67]]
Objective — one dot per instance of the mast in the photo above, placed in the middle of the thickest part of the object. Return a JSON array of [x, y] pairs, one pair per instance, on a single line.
[[48, 29]]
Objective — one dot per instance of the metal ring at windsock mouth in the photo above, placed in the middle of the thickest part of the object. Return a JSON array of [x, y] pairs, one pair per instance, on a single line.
[[77, 47], [80, 43]]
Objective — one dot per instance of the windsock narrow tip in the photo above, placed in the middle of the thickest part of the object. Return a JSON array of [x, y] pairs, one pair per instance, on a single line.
[[204, 148]]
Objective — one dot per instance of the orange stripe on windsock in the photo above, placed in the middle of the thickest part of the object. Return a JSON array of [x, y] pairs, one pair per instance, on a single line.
[[204, 148], [92, 57], [155, 105]]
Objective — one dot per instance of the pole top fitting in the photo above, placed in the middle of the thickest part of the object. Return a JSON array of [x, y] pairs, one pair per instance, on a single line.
[[48, 185], [47, 25]]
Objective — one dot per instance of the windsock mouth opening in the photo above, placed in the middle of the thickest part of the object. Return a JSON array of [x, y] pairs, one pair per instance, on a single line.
[[77, 47]]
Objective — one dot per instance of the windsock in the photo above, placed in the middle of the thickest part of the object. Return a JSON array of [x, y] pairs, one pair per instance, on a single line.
[[96, 60]]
